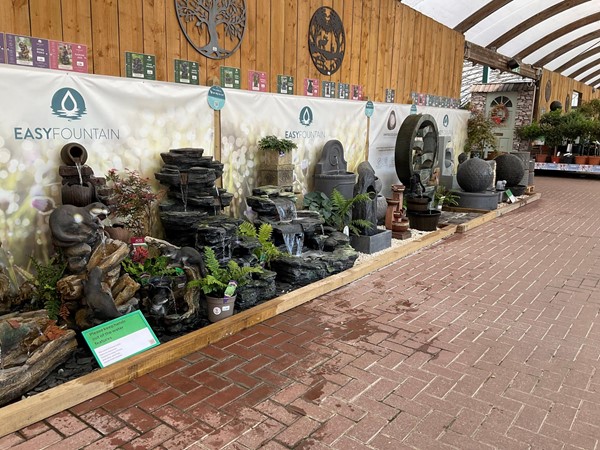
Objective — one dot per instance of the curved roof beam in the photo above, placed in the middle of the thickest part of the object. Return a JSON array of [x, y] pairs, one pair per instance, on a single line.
[[584, 69], [534, 20], [559, 33], [565, 48], [481, 14], [595, 83], [577, 59], [591, 76]]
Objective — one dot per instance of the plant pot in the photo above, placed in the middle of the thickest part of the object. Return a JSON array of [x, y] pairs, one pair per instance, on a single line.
[[273, 158], [424, 221], [541, 158], [594, 160], [555, 159], [219, 308], [418, 203], [581, 160]]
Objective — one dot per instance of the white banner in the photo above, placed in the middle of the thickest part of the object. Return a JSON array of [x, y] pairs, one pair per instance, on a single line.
[[122, 123], [309, 122]]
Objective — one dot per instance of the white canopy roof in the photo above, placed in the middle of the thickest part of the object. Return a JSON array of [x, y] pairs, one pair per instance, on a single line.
[[559, 35]]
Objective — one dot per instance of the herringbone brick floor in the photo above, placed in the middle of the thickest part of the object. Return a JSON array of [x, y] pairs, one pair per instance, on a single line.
[[487, 340]]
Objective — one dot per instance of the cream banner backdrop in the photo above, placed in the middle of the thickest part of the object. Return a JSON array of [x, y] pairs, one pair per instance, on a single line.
[[309, 122], [123, 123]]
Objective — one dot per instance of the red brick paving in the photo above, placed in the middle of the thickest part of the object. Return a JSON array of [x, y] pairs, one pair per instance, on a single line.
[[489, 340]]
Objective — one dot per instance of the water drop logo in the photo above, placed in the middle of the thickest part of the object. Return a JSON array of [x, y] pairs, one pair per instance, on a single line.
[[446, 120], [68, 104], [306, 116]]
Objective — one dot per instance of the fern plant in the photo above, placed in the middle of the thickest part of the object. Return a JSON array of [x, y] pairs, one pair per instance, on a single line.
[[267, 250], [152, 267], [339, 211], [45, 294], [218, 277]]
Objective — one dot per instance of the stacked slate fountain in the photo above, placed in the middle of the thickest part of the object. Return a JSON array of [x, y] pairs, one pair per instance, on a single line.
[[312, 251], [191, 214]]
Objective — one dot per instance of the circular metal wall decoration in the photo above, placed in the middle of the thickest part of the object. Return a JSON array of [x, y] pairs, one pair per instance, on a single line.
[[326, 40], [548, 90], [215, 28]]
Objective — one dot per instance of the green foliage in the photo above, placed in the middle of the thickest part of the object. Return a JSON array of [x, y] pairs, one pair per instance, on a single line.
[[480, 133], [443, 196], [337, 210], [151, 267], [133, 199], [267, 250], [217, 278], [44, 286], [530, 132], [274, 143]]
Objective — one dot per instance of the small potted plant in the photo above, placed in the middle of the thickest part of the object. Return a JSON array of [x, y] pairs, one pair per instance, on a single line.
[[443, 197], [131, 202], [220, 284], [276, 151], [532, 132], [266, 250]]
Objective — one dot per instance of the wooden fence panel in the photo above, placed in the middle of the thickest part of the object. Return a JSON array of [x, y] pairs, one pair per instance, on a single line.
[[388, 45]]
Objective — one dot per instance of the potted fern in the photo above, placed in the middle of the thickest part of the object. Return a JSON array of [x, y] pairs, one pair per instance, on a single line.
[[220, 284]]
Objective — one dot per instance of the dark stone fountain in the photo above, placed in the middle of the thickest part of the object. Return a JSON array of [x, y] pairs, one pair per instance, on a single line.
[[331, 172]]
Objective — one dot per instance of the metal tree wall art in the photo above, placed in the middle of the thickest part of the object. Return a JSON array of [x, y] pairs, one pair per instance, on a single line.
[[215, 28], [326, 40]]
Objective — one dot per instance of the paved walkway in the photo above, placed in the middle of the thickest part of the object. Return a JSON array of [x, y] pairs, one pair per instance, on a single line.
[[488, 340]]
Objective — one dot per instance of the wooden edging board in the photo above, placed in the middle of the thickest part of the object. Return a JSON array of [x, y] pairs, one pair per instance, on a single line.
[[32, 409]]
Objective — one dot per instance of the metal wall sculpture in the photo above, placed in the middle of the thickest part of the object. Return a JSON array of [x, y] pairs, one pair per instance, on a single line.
[[326, 40], [215, 28]]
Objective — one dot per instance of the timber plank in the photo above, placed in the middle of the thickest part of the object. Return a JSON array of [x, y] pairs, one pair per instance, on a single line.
[[15, 17], [77, 26], [131, 29], [105, 31], [277, 45], [46, 19], [155, 40]]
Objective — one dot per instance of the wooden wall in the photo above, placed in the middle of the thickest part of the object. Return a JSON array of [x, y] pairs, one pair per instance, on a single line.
[[388, 45], [561, 88]]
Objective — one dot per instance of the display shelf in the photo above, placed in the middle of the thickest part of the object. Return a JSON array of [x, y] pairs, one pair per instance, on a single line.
[[578, 168]]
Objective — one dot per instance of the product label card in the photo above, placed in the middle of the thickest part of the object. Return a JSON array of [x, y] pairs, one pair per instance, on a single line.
[[390, 95], [356, 92], [230, 77], [187, 72], [285, 84], [27, 51], [67, 56], [140, 65], [257, 81], [343, 91], [328, 89], [311, 87], [2, 57]]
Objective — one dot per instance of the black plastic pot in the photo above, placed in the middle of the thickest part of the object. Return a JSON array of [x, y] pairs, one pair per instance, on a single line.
[[424, 221]]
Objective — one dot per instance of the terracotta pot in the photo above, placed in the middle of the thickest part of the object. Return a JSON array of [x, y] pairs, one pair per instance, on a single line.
[[555, 159], [594, 160], [540, 158], [581, 160]]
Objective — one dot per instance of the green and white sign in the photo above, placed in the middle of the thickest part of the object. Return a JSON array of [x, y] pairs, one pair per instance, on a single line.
[[216, 98], [139, 65], [369, 108], [285, 84], [230, 77], [186, 72], [120, 338]]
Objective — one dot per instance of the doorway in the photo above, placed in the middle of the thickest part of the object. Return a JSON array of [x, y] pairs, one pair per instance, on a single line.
[[501, 108]]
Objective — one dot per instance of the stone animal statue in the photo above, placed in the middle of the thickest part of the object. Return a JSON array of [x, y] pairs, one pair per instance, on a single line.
[[187, 256], [100, 302], [71, 225]]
